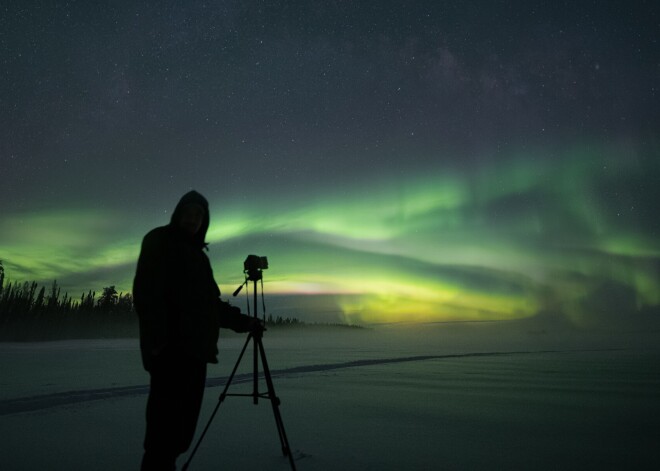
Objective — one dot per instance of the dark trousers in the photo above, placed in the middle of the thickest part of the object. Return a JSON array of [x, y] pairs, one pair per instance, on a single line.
[[175, 399]]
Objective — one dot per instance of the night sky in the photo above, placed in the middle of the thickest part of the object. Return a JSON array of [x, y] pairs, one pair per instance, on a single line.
[[396, 161]]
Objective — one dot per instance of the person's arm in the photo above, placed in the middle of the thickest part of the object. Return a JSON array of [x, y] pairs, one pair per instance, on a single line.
[[230, 317]]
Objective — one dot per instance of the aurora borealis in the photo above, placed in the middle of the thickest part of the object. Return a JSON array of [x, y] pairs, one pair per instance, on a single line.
[[431, 162]]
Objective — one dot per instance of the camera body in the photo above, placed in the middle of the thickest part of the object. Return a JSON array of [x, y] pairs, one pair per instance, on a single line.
[[255, 263]]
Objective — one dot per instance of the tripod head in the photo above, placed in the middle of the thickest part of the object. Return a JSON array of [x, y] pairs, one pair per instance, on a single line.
[[253, 267], [254, 275]]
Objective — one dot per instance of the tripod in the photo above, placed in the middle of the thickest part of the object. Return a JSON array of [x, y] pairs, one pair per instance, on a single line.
[[256, 337]]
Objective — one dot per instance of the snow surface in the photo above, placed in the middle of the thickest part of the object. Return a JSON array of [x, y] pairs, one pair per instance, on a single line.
[[450, 397]]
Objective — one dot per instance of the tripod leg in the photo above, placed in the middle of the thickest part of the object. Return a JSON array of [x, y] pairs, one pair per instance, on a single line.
[[255, 374], [221, 398], [275, 402]]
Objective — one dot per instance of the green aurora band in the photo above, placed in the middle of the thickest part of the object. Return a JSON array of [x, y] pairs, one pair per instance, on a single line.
[[503, 241]]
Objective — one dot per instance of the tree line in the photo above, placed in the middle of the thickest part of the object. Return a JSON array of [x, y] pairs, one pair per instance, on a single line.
[[31, 312]]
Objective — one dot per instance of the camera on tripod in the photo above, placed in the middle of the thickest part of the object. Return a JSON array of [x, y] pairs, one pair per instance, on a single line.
[[252, 267], [255, 262]]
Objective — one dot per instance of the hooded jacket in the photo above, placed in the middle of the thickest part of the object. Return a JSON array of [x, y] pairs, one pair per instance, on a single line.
[[175, 294]]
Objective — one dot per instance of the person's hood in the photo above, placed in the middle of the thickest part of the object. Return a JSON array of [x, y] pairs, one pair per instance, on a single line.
[[193, 197]]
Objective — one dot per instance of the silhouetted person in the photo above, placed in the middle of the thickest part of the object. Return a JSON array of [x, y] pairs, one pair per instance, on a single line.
[[180, 312]]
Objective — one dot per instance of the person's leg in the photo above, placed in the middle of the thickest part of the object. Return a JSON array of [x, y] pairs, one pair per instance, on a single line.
[[175, 398], [162, 405], [191, 394]]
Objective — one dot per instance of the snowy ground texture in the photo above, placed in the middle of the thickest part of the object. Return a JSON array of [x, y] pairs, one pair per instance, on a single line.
[[438, 397]]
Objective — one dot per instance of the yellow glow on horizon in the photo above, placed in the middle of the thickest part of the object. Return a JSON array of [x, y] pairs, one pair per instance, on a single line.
[[467, 306], [386, 299]]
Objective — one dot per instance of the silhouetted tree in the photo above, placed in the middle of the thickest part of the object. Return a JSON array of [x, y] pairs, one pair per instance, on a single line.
[[2, 276], [125, 303], [54, 297], [87, 301], [108, 298], [39, 302]]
